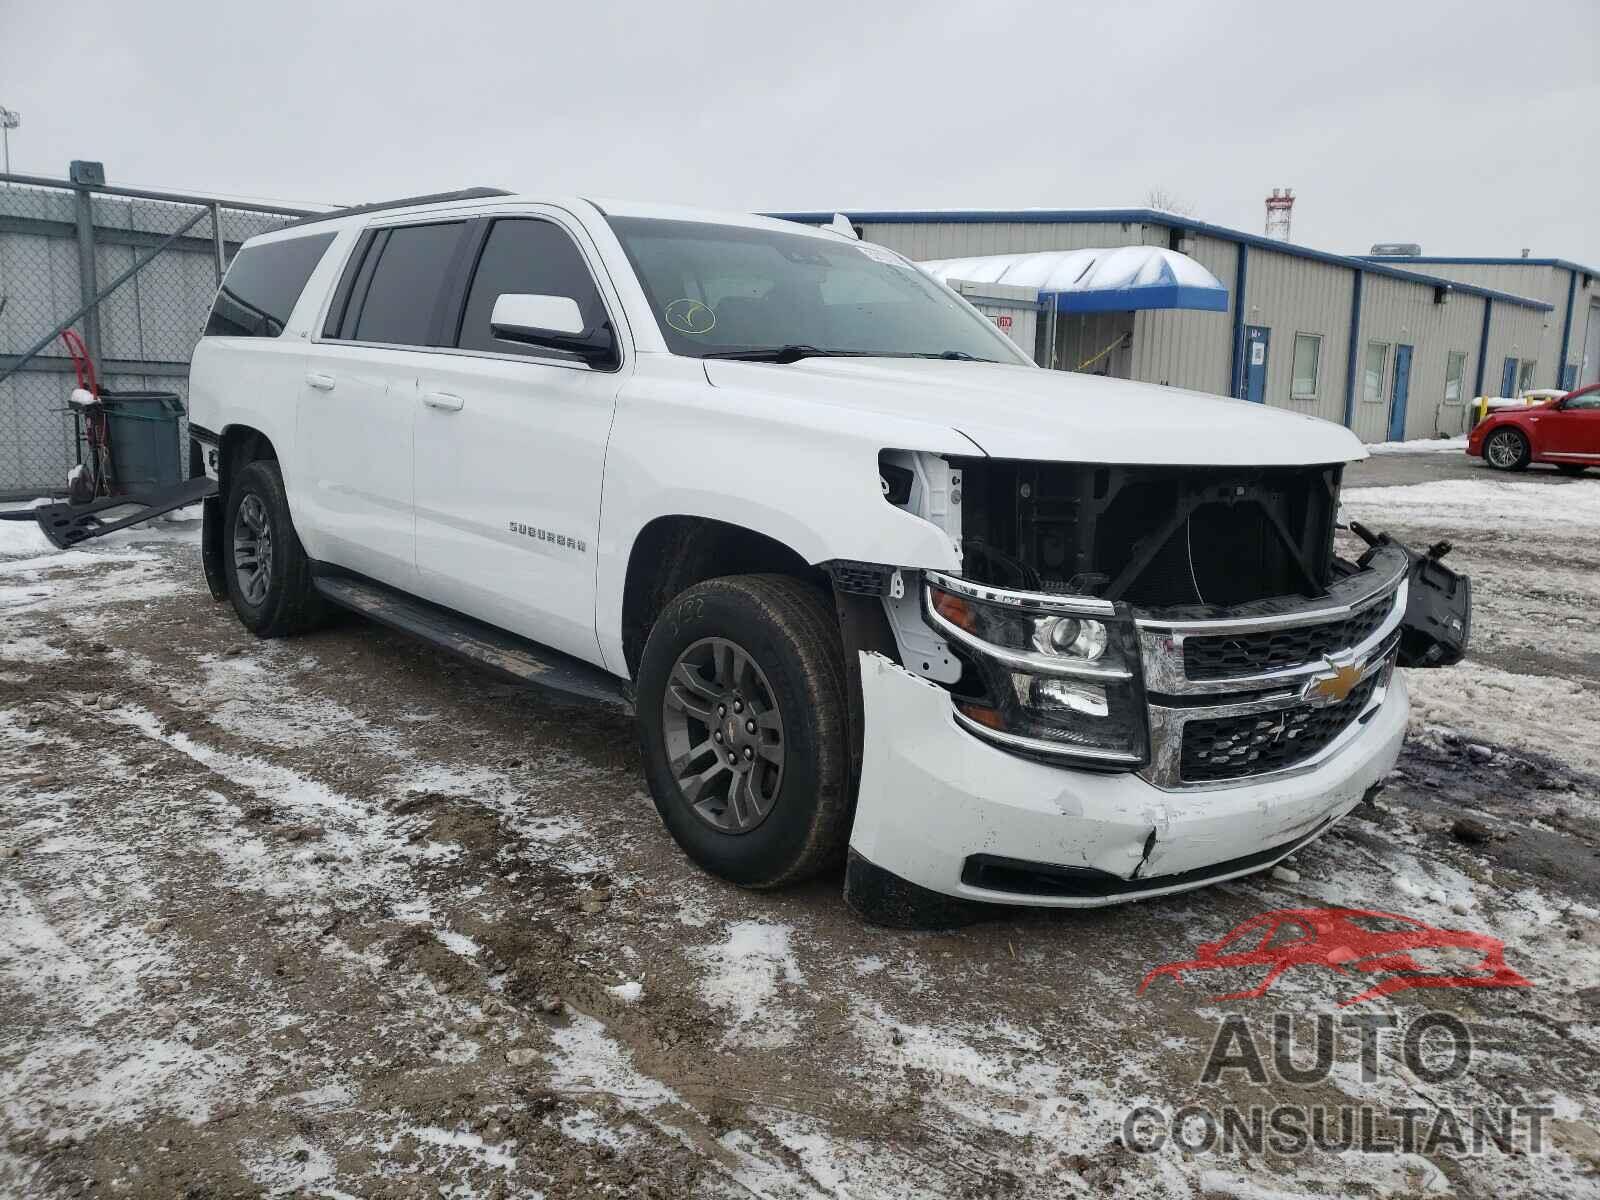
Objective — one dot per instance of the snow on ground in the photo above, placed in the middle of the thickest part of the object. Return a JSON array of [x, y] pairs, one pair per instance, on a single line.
[[1436, 445], [1483, 505], [1549, 714]]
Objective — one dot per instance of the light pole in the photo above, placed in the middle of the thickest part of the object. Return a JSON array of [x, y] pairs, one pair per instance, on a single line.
[[9, 120]]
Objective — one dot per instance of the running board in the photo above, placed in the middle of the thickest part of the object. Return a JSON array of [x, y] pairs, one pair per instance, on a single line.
[[501, 653], [68, 524]]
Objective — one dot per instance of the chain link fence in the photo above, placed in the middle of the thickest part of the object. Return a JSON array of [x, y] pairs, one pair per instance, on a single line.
[[62, 246]]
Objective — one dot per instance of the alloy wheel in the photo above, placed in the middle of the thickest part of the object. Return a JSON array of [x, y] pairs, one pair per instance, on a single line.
[[252, 549], [724, 735], [1504, 450]]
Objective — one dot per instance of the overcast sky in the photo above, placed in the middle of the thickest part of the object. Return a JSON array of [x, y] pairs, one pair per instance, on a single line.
[[1470, 128]]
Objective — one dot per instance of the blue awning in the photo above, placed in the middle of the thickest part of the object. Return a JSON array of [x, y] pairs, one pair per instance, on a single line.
[[1115, 279]]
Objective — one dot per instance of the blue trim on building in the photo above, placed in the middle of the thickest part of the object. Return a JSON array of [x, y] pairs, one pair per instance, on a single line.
[[1467, 260], [1241, 274], [1483, 345], [1171, 295], [1566, 327], [1146, 216], [1350, 362]]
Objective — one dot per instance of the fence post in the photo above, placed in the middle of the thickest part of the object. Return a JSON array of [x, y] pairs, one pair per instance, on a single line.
[[88, 285], [216, 238]]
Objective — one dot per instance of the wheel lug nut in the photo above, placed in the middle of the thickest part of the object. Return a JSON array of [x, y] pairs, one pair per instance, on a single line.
[[722, 710], [749, 726], [732, 757], [749, 753], [738, 706], [717, 735]]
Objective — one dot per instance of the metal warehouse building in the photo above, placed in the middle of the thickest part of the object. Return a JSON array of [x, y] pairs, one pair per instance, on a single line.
[[1569, 355], [1391, 352]]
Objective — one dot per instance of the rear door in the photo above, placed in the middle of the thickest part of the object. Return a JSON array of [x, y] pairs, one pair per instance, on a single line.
[[510, 444], [358, 402]]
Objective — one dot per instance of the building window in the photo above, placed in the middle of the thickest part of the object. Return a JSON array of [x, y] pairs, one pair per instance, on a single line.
[[1525, 377], [1307, 366], [1372, 377], [1455, 368]]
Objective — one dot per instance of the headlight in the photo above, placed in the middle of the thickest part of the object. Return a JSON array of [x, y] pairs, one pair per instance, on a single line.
[[1055, 676]]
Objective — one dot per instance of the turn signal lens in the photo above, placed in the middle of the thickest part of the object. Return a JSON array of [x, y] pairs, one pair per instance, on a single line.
[[955, 610]]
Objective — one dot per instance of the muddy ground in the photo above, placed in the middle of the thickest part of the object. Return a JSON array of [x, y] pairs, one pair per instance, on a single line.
[[336, 916]]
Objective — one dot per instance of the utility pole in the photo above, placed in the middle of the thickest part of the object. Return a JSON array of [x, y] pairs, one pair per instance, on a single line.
[[9, 119]]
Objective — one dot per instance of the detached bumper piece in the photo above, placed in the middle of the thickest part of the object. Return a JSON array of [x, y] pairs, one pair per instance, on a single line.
[[68, 524], [1438, 620]]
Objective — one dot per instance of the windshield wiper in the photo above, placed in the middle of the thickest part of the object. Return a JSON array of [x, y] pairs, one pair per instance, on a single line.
[[956, 355], [782, 354]]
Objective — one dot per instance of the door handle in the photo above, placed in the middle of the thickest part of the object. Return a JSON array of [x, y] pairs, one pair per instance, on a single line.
[[442, 400], [320, 381]]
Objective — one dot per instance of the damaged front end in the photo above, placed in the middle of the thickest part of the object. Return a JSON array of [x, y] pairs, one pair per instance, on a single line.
[[1192, 624]]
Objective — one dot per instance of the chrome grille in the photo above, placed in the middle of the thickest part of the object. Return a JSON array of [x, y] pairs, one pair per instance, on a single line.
[[1233, 655]]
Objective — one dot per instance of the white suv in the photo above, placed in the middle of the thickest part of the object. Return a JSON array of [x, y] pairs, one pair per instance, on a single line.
[[873, 582]]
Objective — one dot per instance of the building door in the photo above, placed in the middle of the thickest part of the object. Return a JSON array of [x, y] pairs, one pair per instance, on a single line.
[[1508, 378], [1398, 393], [1589, 372], [1256, 339]]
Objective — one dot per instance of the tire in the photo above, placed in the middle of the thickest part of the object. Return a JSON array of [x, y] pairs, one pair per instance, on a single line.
[[763, 651], [1507, 450], [1571, 468], [280, 600]]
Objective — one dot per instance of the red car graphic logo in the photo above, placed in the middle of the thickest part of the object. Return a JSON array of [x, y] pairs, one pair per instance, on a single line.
[[1354, 942]]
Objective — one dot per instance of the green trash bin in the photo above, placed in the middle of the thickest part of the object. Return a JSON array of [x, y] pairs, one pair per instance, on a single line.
[[143, 428]]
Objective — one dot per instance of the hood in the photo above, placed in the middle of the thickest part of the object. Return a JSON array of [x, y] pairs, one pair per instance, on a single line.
[[1027, 413]]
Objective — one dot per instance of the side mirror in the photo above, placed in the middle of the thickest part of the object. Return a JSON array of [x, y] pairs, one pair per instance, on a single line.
[[555, 322]]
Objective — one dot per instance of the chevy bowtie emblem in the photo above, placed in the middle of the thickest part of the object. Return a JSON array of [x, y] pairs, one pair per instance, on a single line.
[[1333, 687]]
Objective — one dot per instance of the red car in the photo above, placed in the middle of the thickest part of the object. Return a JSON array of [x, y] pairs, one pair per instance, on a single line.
[[1565, 432], [1400, 952]]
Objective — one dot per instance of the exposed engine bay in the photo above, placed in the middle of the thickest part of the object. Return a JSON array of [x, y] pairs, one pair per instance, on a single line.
[[1191, 623], [1157, 538]]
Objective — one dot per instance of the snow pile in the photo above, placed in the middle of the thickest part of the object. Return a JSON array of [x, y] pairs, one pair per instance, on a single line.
[[1493, 505], [1453, 445], [1542, 713]]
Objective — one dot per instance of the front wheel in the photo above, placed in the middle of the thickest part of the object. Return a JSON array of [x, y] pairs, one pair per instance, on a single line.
[[1506, 450], [743, 728]]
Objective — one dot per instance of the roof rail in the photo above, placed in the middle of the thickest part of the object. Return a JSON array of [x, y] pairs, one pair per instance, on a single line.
[[472, 193]]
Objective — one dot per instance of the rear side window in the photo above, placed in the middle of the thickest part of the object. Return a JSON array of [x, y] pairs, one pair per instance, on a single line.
[[522, 255], [262, 285], [406, 283]]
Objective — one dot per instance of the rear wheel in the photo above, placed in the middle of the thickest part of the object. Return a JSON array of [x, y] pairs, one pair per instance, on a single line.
[[742, 724], [1506, 450], [268, 574]]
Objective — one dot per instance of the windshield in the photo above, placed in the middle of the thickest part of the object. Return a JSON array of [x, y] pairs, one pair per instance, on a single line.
[[726, 289]]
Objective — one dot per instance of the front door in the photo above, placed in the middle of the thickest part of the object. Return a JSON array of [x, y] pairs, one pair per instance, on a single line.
[[510, 451], [1256, 339], [1572, 432], [1398, 393]]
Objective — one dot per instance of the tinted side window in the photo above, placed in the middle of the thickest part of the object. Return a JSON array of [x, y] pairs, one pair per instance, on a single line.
[[406, 284], [531, 256], [262, 284]]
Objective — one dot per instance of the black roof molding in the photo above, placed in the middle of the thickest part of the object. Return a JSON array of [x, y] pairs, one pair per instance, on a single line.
[[472, 193]]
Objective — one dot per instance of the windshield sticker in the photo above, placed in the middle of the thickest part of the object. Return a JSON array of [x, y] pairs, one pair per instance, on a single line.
[[690, 316]]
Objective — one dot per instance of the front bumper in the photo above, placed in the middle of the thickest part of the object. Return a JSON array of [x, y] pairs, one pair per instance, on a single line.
[[938, 807]]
